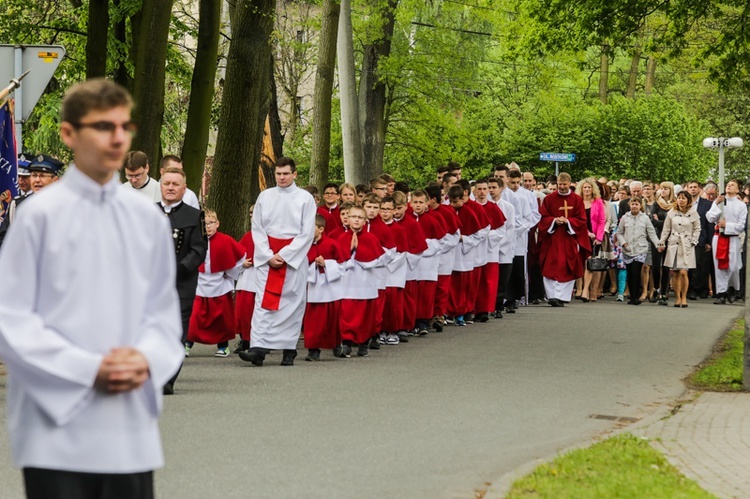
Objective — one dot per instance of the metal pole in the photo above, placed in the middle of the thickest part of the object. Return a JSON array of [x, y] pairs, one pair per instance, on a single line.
[[557, 169], [721, 165], [18, 107], [746, 339]]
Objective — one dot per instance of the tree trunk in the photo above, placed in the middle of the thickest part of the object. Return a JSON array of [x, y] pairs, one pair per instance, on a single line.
[[277, 139], [321, 134], [96, 39], [604, 74], [135, 32], [121, 75], [202, 92], [150, 73], [650, 75], [372, 100], [348, 93], [234, 183], [633, 75]]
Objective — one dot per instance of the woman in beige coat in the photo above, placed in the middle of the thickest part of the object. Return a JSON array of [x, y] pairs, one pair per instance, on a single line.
[[680, 233]]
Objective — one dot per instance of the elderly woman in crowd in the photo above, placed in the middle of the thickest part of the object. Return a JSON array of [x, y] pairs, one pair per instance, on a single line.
[[682, 227], [633, 235]]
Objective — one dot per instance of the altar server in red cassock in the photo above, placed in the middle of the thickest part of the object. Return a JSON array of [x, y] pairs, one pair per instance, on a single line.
[[324, 293], [212, 320], [244, 294], [283, 230], [395, 280], [449, 244], [377, 228], [479, 252], [331, 208], [485, 301], [427, 267], [564, 241], [417, 245], [464, 262], [361, 288]]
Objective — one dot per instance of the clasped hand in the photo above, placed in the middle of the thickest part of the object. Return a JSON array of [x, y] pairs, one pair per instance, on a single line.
[[561, 220], [122, 370], [276, 261]]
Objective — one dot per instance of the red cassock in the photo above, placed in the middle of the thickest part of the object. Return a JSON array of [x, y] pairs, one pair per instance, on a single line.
[[561, 255], [393, 310], [433, 228], [244, 301], [417, 242], [332, 216], [485, 301], [379, 229], [442, 292], [357, 318], [321, 321], [461, 281], [212, 320], [476, 276]]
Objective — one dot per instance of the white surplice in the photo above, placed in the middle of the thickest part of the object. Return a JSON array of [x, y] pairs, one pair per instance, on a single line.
[[735, 214], [282, 213], [151, 190], [86, 268], [507, 246]]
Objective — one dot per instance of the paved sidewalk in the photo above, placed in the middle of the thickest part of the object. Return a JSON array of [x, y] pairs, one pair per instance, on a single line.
[[708, 440]]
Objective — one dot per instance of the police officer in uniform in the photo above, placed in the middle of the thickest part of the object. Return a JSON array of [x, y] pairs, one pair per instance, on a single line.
[[190, 243], [43, 170]]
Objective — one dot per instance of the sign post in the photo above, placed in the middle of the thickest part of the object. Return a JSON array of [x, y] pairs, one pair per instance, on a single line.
[[557, 157], [43, 61]]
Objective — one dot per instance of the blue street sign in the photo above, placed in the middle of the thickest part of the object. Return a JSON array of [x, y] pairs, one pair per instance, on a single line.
[[557, 156]]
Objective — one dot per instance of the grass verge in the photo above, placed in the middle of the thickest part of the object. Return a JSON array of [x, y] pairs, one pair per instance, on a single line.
[[722, 370], [623, 466]]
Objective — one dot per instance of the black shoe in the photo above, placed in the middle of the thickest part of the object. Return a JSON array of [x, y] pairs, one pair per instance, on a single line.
[[663, 300], [253, 356], [288, 357], [510, 310], [535, 301], [241, 346], [375, 343], [403, 336], [731, 295], [653, 299], [497, 314], [684, 305], [691, 295], [168, 389], [438, 327], [363, 351], [343, 351], [313, 355], [554, 302], [469, 318], [483, 317], [720, 300]]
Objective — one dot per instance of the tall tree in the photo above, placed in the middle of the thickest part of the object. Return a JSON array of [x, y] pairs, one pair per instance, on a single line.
[[604, 74], [234, 184], [372, 95], [321, 135], [97, 33], [150, 73], [202, 92], [349, 107]]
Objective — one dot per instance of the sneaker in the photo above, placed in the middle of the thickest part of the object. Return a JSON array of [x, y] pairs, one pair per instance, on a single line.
[[460, 321], [383, 338], [620, 298], [222, 352], [363, 351], [449, 320], [413, 332], [240, 346], [375, 343], [187, 350], [392, 339], [422, 331], [343, 351], [469, 318], [403, 337], [483, 317], [437, 326], [497, 314], [313, 355]]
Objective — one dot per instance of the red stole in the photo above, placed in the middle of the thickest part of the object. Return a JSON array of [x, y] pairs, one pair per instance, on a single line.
[[722, 250], [275, 281], [224, 253]]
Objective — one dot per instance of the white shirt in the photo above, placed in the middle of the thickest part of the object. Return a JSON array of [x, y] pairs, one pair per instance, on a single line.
[[86, 268], [150, 190]]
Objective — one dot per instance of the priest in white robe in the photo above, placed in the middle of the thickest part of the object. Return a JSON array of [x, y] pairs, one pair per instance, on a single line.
[[89, 316], [283, 231], [726, 247]]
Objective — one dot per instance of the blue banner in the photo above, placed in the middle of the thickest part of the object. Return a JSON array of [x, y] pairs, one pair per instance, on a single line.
[[8, 159]]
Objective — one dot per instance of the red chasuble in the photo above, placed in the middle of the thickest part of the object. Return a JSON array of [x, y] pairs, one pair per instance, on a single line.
[[321, 321], [244, 301], [562, 255], [358, 316]]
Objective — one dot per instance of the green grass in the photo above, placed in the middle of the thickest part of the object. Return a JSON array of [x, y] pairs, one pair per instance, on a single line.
[[623, 466], [722, 371]]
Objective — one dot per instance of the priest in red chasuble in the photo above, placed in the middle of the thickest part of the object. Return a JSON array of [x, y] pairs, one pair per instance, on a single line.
[[564, 241]]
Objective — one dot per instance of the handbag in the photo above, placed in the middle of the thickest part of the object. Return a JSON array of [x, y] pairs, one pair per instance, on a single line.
[[596, 263]]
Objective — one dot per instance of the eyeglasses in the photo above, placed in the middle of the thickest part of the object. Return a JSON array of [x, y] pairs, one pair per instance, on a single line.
[[109, 127], [135, 176], [41, 175], [212, 223], [331, 193]]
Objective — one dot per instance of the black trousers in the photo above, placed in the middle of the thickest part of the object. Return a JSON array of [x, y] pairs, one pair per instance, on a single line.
[[56, 484], [634, 279], [502, 284], [659, 273], [186, 310], [517, 285], [704, 263]]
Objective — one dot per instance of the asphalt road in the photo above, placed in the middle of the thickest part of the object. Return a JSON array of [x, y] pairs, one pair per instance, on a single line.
[[441, 416]]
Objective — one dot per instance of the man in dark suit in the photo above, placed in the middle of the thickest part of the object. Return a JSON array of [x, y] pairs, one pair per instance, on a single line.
[[698, 286], [190, 243]]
